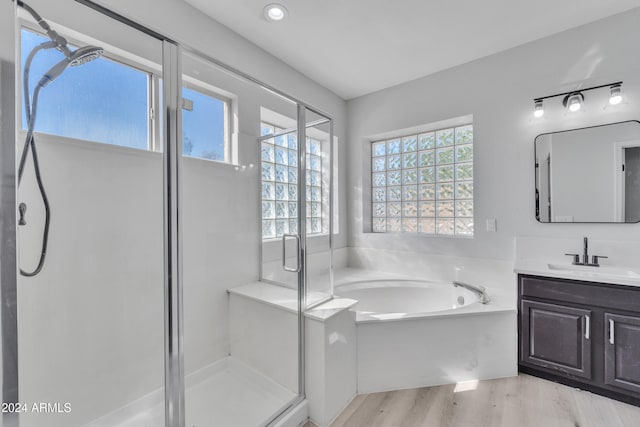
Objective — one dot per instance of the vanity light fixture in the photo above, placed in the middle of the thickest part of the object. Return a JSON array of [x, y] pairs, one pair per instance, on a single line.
[[616, 94], [574, 99], [539, 109], [275, 12]]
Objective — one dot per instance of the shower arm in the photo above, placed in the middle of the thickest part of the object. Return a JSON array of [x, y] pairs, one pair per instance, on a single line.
[[60, 42]]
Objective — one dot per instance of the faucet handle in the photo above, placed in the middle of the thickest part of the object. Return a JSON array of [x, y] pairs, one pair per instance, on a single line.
[[595, 258], [576, 258]]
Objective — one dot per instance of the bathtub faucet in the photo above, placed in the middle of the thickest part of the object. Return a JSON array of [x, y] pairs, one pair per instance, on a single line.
[[480, 290]]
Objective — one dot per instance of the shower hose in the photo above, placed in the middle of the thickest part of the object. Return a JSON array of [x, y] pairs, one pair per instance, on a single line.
[[31, 107]]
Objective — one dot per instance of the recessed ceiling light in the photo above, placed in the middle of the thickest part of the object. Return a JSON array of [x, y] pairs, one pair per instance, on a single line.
[[275, 12]]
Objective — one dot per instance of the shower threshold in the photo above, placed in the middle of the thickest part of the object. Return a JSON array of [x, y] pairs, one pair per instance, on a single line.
[[225, 393]]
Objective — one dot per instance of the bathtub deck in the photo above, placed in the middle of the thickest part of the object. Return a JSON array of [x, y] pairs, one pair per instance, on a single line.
[[522, 401]]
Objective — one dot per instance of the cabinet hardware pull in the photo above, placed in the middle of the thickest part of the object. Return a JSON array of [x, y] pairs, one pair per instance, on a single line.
[[611, 331], [587, 326]]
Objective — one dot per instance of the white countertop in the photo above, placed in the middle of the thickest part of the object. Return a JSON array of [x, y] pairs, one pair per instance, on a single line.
[[617, 275]]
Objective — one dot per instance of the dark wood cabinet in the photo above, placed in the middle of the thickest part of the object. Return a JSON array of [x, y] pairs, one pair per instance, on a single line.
[[583, 334], [557, 337], [622, 351]]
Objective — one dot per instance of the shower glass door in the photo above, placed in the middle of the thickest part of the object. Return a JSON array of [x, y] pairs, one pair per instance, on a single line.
[[296, 183], [90, 299], [240, 353], [318, 198]]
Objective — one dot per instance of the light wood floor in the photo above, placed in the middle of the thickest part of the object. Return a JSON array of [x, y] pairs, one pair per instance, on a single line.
[[522, 401]]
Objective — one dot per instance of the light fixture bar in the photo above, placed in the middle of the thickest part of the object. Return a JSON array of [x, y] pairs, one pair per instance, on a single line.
[[540, 98]]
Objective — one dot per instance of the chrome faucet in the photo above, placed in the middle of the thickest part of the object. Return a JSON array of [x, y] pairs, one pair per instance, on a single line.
[[585, 256], [480, 290]]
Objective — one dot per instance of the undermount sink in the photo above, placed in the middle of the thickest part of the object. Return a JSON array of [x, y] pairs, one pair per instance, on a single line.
[[595, 271]]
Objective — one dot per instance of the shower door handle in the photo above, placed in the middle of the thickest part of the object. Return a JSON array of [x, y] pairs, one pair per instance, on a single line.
[[284, 253]]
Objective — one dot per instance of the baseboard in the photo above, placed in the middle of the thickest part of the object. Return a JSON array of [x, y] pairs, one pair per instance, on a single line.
[[579, 385]]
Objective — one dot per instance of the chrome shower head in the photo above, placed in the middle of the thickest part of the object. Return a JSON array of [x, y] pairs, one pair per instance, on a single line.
[[85, 54], [77, 57]]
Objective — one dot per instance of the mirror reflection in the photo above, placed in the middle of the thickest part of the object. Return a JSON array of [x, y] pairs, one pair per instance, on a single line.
[[589, 175]]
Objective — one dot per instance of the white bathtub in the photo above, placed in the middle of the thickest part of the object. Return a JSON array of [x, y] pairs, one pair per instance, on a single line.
[[401, 299], [416, 333]]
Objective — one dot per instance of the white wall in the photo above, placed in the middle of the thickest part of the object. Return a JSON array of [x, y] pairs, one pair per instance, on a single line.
[[91, 325], [499, 91]]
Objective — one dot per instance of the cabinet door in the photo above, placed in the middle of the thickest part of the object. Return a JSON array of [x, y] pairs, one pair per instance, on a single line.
[[622, 351], [556, 337]]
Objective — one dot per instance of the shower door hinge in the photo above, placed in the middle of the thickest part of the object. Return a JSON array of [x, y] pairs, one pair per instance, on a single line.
[[187, 104], [152, 114]]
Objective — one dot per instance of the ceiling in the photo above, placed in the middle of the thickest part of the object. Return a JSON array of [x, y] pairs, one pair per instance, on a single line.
[[355, 47]]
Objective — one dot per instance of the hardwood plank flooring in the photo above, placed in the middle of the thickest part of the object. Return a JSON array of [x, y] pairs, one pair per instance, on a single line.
[[522, 401]]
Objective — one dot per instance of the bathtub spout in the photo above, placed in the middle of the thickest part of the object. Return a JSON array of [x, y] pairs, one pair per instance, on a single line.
[[480, 290]]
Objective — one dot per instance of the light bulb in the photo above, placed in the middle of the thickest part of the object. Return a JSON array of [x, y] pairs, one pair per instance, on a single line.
[[616, 95], [539, 110], [574, 106], [574, 101]]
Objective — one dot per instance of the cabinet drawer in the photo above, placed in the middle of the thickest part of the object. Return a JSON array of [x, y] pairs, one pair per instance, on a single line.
[[624, 298], [556, 337]]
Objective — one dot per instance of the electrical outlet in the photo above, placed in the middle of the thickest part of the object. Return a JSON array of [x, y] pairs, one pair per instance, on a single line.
[[491, 225]]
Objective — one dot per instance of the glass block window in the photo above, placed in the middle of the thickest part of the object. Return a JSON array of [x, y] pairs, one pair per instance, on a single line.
[[280, 184], [424, 183]]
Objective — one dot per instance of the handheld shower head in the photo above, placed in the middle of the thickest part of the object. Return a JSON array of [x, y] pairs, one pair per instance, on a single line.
[[85, 54], [77, 57]]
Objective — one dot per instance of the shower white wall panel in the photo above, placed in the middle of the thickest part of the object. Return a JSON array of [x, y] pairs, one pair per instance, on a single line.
[[499, 91], [91, 324], [100, 259], [220, 235]]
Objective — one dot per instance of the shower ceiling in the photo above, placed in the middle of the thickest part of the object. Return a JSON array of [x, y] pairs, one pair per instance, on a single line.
[[355, 47]]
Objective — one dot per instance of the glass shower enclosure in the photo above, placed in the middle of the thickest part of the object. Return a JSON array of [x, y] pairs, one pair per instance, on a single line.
[[153, 179]]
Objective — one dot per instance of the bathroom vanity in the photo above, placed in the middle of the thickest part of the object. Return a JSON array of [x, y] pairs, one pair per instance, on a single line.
[[584, 334]]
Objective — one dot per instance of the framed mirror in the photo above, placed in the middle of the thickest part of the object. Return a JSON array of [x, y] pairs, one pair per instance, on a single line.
[[589, 175]]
